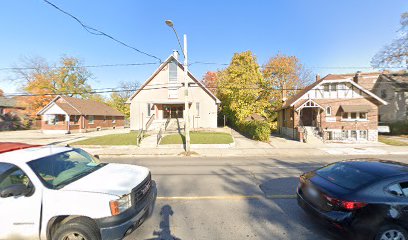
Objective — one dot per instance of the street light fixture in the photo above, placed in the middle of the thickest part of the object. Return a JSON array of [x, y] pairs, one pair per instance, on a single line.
[[186, 104]]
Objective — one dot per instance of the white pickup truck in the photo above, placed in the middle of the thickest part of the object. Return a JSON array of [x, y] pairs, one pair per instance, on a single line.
[[64, 193]]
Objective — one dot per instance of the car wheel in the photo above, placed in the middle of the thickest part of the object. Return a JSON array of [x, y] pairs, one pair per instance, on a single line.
[[391, 232], [80, 229]]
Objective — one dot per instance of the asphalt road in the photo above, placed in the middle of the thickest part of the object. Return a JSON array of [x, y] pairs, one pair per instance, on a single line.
[[230, 198]]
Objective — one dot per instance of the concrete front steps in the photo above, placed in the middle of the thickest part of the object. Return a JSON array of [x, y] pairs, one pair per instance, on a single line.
[[311, 137]]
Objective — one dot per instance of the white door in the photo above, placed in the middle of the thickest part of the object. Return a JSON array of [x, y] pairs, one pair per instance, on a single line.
[[20, 215]]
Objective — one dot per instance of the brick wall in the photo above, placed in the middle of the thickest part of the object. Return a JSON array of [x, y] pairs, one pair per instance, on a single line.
[[103, 122], [370, 124]]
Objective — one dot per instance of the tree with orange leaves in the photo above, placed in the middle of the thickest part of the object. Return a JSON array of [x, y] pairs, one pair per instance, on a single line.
[[283, 75], [43, 81], [210, 81]]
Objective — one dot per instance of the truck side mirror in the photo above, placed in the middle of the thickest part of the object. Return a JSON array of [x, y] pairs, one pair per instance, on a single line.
[[15, 190], [96, 156]]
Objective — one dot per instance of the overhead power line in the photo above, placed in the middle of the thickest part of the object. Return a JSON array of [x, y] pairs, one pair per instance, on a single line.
[[312, 67], [84, 66], [156, 86], [95, 31]]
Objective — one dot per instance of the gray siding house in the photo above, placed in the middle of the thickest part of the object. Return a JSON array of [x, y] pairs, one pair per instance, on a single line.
[[393, 88]]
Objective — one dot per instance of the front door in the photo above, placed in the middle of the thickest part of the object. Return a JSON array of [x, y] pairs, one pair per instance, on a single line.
[[173, 111], [308, 115]]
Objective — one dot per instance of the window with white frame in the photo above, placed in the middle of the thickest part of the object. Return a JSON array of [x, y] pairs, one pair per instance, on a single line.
[[333, 87], [354, 116], [363, 115], [91, 119], [198, 108], [363, 134], [328, 111]]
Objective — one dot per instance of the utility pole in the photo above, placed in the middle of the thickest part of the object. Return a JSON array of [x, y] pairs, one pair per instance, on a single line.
[[186, 102]]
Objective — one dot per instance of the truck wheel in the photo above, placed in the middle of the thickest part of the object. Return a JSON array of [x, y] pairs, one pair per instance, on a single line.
[[78, 229]]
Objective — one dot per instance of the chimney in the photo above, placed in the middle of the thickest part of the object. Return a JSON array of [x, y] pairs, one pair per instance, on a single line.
[[357, 77], [176, 54], [317, 77]]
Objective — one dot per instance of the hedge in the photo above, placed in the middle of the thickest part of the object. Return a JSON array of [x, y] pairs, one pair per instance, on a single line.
[[257, 130], [400, 127]]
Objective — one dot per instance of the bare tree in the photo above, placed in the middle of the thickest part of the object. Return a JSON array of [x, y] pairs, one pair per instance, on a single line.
[[396, 53]]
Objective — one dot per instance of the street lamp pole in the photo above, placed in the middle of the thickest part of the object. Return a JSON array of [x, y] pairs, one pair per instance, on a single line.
[[186, 102]]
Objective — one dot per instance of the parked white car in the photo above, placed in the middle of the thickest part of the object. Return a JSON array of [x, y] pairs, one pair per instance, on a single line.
[[64, 193]]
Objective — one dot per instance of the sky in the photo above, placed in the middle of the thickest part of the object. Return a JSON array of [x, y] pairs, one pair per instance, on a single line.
[[328, 36]]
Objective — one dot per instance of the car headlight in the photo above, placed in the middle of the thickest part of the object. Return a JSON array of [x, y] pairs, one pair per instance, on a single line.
[[120, 205]]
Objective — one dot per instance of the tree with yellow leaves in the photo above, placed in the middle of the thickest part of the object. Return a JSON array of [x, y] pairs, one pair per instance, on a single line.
[[239, 88]]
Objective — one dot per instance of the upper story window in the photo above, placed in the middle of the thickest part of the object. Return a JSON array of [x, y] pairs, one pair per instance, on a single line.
[[383, 93], [330, 87], [173, 72]]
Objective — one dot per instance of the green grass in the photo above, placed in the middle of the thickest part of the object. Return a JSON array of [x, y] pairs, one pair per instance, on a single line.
[[113, 139], [389, 141], [199, 138]]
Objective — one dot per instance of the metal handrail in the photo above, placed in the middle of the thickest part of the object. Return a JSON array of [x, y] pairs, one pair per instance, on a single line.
[[139, 137], [149, 122], [167, 123], [159, 136]]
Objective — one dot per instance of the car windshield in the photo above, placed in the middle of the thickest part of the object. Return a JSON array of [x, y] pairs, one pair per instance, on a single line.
[[344, 175], [60, 169]]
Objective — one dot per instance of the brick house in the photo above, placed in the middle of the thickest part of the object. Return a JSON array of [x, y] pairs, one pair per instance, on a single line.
[[334, 108], [67, 114]]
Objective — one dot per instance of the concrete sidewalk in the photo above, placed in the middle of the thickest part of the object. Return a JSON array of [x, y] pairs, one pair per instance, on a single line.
[[278, 146], [37, 137]]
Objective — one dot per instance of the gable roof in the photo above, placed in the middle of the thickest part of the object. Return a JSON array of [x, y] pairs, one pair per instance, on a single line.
[[76, 106], [330, 77], [167, 61], [397, 79]]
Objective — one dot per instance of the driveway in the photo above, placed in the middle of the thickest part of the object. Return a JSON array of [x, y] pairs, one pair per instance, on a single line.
[[37, 137]]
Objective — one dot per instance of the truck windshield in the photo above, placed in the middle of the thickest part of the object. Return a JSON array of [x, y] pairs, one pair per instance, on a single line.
[[60, 169]]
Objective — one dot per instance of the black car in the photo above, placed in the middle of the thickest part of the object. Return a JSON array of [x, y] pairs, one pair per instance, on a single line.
[[367, 199]]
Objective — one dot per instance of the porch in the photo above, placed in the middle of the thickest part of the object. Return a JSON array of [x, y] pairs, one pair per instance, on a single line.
[[60, 123], [165, 115]]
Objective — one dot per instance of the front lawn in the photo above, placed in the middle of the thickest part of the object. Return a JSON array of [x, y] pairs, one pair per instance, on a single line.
[[391, 141], [199, 138], [113, 139]]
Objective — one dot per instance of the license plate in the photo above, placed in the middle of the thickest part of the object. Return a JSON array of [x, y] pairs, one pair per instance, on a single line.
[[312, 192]]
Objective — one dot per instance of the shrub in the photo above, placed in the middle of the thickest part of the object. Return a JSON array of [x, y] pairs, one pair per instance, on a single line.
[[400, 127], [257, 130]]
